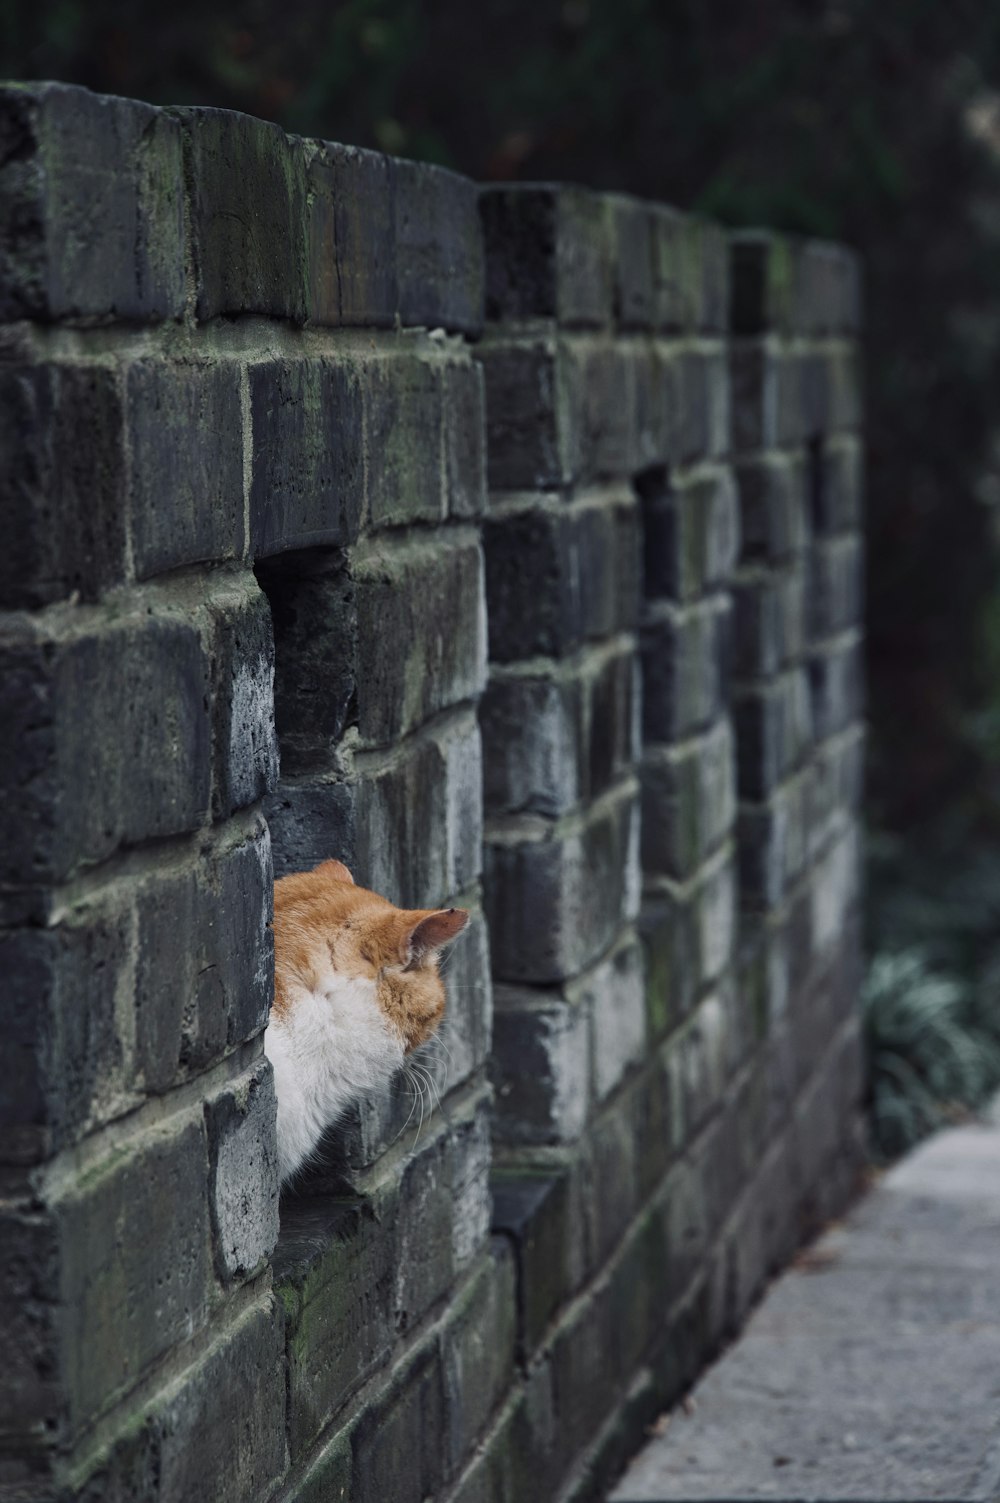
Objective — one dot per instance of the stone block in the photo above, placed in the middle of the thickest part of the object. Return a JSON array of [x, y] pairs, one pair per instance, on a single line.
[[685, 667], [421, 631], [690, 532], [248, 215], [78, 691], [705, 400], [477, 1352], [836, 687], [314, 621], [774, 506], [634, 288], [404, 417], [556, 893], [559, 734], [244, 745], [557, 575], [540, 1065], [688, 801], [62, 489], [835, 586], [185, 468], [464, 438], [243, 1173], [769, 610], [351, 236], [307, 483], [529, 441], [439, 249], [602, 419], [312, 820], [774, 727], [548, 254], [92, 207]]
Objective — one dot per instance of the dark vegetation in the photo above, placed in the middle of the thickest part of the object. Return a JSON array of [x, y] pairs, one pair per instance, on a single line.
[[872, 121]]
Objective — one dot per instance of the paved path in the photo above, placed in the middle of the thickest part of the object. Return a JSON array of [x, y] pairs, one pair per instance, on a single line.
[[872, 1369]]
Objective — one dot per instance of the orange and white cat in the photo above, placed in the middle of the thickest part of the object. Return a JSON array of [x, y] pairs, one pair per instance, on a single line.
[[356, 987]]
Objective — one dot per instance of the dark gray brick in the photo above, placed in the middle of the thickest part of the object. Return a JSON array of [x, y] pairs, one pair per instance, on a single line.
[[404, 416], [307, 484], [836, 685], [477, 1351], [774, 727], [835, 585], [185, 468], [634, 300], [465, 438], [396, 1443], [688, 801], [690, 532], [31, 1389], [599, 383], [313, 820], [772, 846], [540, 1066], [62, 486], [528, 441], [704, 419], [836, 484], [92, 212], [774, 508], [548, 254], [248, 212], [768, 621], [439, 248], [763, 276], [758, 383], [685, 667], [243, 1172], [245, 750], [351, 236], [537, 1210]]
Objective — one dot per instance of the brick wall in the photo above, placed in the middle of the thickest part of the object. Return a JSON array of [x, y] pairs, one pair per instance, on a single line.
[[504, 544]]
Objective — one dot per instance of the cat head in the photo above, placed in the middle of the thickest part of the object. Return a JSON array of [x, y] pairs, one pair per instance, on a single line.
[[323, 921]]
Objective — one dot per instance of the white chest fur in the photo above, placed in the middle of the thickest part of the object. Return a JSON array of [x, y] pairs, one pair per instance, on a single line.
[[329, 1047]]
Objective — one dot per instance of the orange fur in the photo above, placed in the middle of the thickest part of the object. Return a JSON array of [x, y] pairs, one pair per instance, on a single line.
[[321, 919]]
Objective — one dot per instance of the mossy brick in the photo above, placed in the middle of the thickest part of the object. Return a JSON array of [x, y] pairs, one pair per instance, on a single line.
[[557, 575], [774, 727], [769, 611], [70, 1064], [247, 182], [314, 620], [403, 398], [244, 745], [351, 236], [558, 734], [836, 684], [396, 1443], [548, 254], [557, 893], [421, 616], [465, 438], [313, 819], [688, 801], [836, 484], [439, 248], [307, 483], [92, 207], [477, 1351], [540, 1066], [185, 464], [774, 507], [529, 439], [690, 532], [685, 667], [62, 489], [243, 1172], [201, 1450], [134, 1265], [68, 795], [634, 301], [835, 585], [419, 815], [536, 1211], [763, 283], [706, 421]]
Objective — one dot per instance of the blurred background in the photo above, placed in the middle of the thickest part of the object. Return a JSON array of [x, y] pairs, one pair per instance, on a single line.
[[871, 121]]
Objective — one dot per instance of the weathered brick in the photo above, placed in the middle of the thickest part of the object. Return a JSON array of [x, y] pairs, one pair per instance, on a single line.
[[836, 484], [465, 438], [705, 402], [774, 510], [582, 1347], [538, 1211], [92, 210], [769, 609], [62, 487], [421, 624], [685, 667], [598, 380], [772, 846], [32, 1401], [396, 1444], [245, 749], [835, 888], [688, 801], [706, 275], [540, 1065], [615, 989], [101, 680], [311, 820], [652, 379], [827, 288], [670, 308], [439, 248], [351, 236], [555, 894], [248, 212], [835, 575], [243, 1172], [690, 532], [529, 440], [404, 416], [836, 684], [558, 574], [185, 471], [548, 254], [477, 1351], [774, 726], [763, 283], [307, 484], [558, 734], [633, 226]]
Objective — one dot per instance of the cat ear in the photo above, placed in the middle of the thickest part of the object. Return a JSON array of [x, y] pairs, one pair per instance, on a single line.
[[432, 931], [337, 870]]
